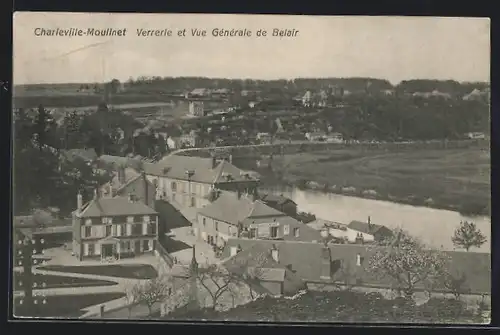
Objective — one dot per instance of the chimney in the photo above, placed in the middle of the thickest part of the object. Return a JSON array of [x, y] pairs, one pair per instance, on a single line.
[[255, 195], [79, 201], [326, 263], [358, 260], [275, 254], [121, 175], [146, 188], [101, 310], [231, 158]]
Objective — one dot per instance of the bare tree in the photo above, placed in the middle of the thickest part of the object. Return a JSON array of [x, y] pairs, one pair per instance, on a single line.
[[152, 291], [467, 235], [407, 262], [215, 280], [249, 271], [131, 298], [455, 283]]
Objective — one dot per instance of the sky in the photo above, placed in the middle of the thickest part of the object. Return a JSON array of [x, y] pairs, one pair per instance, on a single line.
[[392, 48]]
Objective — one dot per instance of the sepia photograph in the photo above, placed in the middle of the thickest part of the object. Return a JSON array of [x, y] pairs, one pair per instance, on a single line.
[[256, 168]]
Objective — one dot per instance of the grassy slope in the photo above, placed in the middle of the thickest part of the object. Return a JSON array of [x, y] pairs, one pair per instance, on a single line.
[[455, 179]]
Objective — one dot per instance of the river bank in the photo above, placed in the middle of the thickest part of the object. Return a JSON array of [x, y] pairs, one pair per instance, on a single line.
[[457, 180]]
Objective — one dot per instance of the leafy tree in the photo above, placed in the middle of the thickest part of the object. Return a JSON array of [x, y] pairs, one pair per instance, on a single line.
[[72, 130], [467, 235], [44, 124], [407, 262]]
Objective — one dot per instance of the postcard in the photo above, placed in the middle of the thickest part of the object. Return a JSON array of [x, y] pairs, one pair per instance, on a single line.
[[259, 168]]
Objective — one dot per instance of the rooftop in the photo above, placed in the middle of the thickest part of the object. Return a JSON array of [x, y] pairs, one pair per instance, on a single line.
[[203, 171], [305, 260], [231, 209], [117, 206]]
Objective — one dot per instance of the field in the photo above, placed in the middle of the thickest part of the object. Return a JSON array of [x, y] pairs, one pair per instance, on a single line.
[[457, 179], [132, 271], [67, 306]]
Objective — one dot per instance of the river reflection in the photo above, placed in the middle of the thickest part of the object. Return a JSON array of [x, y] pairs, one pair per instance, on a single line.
[[434, 226]]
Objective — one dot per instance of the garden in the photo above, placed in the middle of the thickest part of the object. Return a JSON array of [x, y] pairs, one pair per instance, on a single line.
[[51, 281], [342, 306], [130, 271]]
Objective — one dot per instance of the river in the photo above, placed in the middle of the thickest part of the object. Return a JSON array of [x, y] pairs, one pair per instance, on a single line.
[[433, 226]]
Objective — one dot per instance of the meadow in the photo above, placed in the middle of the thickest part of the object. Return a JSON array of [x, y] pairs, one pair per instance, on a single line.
[[457, 179]]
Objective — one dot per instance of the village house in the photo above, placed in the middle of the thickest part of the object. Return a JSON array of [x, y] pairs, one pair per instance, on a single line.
[[196, 109], [319, 265], [316, 136], [280, 203], [120, 176], [234, 215], [192, 181], [340, 233], [113, 228], [139, 187], [370, 230]]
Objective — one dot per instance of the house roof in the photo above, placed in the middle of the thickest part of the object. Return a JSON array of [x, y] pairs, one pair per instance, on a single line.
[[305, 260], [114, 207], [320, 224], [85, 154], [364, 227], [278, 199], [230, 209], [137, 186], [175, 167]]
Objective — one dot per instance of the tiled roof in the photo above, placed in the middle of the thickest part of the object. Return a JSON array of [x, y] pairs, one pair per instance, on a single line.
[[305, 260], [114, 207], [230, 209], [176, 166], [136, 186], [364, 227]]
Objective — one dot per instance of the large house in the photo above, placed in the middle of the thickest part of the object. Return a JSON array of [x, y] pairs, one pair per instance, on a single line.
[[378, 232], [113, 228], [316, 263], [192, 181], [236, 215]]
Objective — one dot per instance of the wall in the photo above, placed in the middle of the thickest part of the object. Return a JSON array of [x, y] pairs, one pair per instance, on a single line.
[[273, 287], [199, 191], [224, 231]]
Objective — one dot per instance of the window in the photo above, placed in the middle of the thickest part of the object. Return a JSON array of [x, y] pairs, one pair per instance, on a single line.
[[88, 231], [274, 232], [296, 232], [145, 245], [204, 221], [122, 230], [359, 260], [130, 219], [146, 218], [88, 222], [252, 233], [234, 251], [91, 249], [125, 246], [174, 186], [286, 229], [193, 202], [137, 229], [104, 220], [108, 230]]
